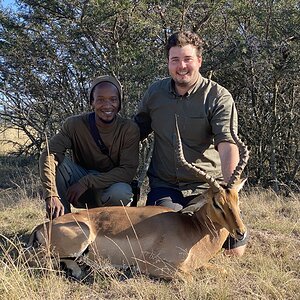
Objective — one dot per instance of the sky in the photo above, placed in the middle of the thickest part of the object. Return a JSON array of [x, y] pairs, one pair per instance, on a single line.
[[7, 3]]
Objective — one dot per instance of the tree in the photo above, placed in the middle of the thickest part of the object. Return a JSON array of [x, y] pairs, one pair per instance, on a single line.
[[51, 49]]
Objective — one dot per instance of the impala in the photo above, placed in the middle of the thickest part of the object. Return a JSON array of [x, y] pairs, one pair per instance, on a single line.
[[155, 240]]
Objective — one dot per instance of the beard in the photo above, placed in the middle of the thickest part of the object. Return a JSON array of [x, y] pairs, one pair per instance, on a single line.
[[186, 81], [182, 82]]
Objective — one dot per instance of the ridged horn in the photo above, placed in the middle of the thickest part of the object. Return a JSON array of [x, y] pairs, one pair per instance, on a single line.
[[194, 170], [243, 154]]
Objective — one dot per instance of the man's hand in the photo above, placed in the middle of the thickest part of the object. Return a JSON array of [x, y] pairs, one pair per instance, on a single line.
[[54, 207], [74, 192]]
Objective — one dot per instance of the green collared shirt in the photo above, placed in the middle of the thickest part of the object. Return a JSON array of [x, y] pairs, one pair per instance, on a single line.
[[204, 121]]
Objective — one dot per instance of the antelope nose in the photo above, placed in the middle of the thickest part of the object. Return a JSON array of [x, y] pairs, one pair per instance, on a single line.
[[240, 236]]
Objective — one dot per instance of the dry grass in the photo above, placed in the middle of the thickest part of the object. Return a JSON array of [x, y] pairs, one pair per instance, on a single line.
[[269, 270], [8, 137]]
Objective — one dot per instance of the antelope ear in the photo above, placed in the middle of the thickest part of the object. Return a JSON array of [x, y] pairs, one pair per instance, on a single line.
[[239, 185]]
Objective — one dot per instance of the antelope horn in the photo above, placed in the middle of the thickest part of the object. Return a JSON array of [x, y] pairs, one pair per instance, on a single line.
[[196, 171], [243, 153]]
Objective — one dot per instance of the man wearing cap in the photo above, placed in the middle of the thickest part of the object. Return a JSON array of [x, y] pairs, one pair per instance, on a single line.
[[94, 177]]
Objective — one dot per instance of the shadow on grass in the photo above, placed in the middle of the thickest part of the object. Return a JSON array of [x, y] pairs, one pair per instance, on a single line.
[[11, 243]]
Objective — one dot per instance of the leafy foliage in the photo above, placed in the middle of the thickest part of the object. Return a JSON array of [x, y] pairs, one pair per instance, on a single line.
[[51, 49]]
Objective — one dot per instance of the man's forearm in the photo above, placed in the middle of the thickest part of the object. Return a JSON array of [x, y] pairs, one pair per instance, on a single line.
[[229, 156]]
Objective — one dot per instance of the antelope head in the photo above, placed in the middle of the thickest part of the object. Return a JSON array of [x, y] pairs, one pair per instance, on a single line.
[[223, 200]]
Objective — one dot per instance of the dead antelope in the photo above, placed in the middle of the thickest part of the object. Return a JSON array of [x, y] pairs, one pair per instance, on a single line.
[[157, 241]]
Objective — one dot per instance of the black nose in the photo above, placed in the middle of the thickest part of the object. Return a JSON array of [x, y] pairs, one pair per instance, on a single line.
[[240, 235]]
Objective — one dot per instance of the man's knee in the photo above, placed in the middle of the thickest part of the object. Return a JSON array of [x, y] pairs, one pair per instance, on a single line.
[[168, 197], [63, 174], [167, 202], [235, 247], [238, 252], [117, 194]]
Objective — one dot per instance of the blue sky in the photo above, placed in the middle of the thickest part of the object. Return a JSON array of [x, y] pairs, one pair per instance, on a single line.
[[7, 3]]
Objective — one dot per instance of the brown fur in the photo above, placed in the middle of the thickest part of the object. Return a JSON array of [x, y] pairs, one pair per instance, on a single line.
[[157, 240]]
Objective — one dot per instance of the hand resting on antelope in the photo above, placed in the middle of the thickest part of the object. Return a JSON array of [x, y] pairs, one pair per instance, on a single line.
[[156, 240]]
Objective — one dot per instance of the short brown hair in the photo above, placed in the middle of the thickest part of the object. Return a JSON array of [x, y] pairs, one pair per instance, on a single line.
[[183, 38]]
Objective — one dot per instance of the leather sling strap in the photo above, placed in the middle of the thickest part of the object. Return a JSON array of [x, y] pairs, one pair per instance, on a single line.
[[95, 133]]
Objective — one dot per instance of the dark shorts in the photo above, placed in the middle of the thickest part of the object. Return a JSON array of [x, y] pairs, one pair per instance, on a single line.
[[175, 200]]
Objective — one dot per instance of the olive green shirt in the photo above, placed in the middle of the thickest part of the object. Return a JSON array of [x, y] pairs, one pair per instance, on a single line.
[[122, 140], [204, 121]]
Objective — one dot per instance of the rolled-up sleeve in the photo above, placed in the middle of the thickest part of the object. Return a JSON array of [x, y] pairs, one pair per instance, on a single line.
[[221, 118]]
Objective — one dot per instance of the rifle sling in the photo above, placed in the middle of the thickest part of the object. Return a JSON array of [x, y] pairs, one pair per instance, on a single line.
[[96, 136]]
